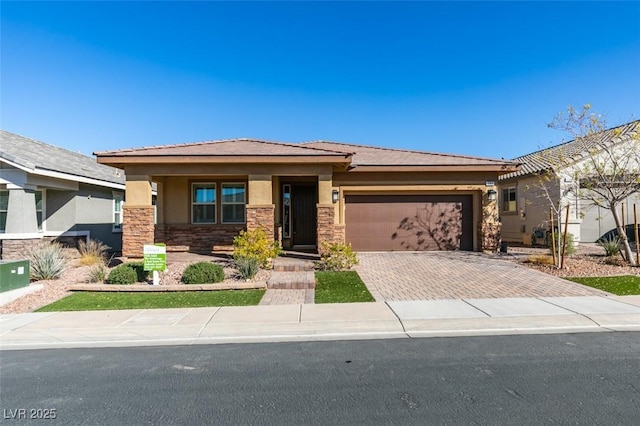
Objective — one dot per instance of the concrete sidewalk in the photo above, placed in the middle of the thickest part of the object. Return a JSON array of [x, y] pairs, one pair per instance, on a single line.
[[304, 322]]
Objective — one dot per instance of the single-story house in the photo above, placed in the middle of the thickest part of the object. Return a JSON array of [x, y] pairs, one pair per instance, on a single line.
[[51, 193], [525, 207], [306, 194]]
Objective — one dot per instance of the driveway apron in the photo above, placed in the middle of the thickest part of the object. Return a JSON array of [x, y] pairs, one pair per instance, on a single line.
[[457, 275]]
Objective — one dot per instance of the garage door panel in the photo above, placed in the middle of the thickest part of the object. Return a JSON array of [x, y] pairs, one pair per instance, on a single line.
[[409, 222]]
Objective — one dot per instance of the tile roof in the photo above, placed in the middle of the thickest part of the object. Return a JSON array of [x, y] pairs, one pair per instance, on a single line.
[[38, 157], [360, 155], [376, 156], [572, 151], [229, 147]]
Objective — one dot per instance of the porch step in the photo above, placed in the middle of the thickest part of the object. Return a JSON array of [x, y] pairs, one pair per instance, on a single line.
[[288, 264], [290, 280]]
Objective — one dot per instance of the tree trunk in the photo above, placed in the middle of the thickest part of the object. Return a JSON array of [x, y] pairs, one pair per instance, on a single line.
[[622, 234]]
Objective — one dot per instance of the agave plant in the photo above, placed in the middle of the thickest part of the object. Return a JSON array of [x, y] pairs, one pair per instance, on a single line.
[[610, 244], [48, 261]]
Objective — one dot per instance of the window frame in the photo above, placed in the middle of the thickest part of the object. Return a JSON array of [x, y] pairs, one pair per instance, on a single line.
[[506, 199], [42, 220], [6, 212], [234, 203], [215, 202], [115, 225]]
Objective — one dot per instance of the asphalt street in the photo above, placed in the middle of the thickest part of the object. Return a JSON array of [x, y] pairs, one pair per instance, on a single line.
[[588, 378]]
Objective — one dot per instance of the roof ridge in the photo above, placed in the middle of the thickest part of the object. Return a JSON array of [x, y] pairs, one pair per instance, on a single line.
[[441, 154], [215, 141]]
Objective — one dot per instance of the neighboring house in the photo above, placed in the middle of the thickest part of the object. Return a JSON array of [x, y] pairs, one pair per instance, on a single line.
[[307, 194], [524, 206], [51, 193]]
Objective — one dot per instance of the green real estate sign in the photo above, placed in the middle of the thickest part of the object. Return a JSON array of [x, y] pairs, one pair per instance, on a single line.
[[155, 257]]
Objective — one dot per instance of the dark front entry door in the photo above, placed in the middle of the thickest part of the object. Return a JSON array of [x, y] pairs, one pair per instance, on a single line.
[[304, 215]]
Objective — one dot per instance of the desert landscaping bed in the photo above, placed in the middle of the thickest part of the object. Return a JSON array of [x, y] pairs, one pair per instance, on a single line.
[[77, 275]]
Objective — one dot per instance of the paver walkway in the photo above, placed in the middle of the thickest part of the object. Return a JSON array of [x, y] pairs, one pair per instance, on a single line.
[[292, 282], [457, 275], [287, 297]]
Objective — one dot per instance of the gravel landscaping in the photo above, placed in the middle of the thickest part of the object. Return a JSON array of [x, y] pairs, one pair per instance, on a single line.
[[56, 289]]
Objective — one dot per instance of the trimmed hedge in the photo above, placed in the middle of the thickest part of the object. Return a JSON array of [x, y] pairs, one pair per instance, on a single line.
[[122, 274], [203, 273]]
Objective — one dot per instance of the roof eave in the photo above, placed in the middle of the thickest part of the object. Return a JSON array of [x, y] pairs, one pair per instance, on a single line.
[[500, 168], [120, 161]]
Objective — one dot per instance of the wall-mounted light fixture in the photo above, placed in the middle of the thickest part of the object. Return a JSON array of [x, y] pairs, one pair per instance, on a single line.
[[335, 195], [492, 194]]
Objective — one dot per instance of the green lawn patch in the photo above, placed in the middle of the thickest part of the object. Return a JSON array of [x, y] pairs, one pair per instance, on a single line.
[[341, 287], [98, 301], [623, 285]]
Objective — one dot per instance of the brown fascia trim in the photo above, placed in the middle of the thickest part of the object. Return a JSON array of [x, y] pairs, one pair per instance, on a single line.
[[117, 160], [439, 168]]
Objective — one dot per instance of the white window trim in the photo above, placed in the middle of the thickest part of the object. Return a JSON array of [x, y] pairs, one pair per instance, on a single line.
[[215, 203], [44, 210], [243, 203], [117, 194], [2, 231]]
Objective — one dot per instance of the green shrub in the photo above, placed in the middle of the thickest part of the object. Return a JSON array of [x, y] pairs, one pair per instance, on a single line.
[[255, 244], [203, 273], [571, 247], [248, 267], [93, 252], [98, 273], [122, 274], [336, 257], [610, 244], [47, 261], [138, 268]]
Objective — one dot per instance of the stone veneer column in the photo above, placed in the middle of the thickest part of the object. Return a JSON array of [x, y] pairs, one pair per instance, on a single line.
[[326, 225], [489, 229], [137, 229], [261, 216]]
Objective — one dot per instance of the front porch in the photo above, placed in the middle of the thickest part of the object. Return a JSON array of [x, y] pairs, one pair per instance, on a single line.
[[203, 214]]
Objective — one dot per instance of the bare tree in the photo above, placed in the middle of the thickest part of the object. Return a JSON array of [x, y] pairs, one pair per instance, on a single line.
[[604, 165]]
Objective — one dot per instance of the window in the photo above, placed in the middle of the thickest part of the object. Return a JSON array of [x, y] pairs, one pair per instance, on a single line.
[[39, 208], [203, 203], [509, 199], [4, 207], [286, 211], [233, 203], [118, 202]]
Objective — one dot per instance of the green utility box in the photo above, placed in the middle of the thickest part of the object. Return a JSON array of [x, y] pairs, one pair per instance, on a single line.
[[14, 274]]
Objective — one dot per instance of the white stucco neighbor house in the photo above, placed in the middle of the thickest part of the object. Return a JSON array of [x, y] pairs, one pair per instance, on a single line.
[[524, 206], [51, 193]]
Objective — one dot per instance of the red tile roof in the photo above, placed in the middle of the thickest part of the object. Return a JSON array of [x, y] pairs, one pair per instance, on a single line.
[[377, 156]]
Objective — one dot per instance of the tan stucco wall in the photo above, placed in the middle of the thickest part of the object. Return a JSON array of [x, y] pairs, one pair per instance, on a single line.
[[138, 189], [177, 197], [534, 204], [260, 190]]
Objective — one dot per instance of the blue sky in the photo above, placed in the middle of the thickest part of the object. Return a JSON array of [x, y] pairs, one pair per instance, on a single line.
[[477, 78]]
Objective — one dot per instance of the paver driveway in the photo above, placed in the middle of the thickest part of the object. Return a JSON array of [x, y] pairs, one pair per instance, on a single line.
[[457, 275]]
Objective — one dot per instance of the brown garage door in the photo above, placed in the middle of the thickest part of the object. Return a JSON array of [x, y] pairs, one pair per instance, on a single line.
[[409, 222]]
